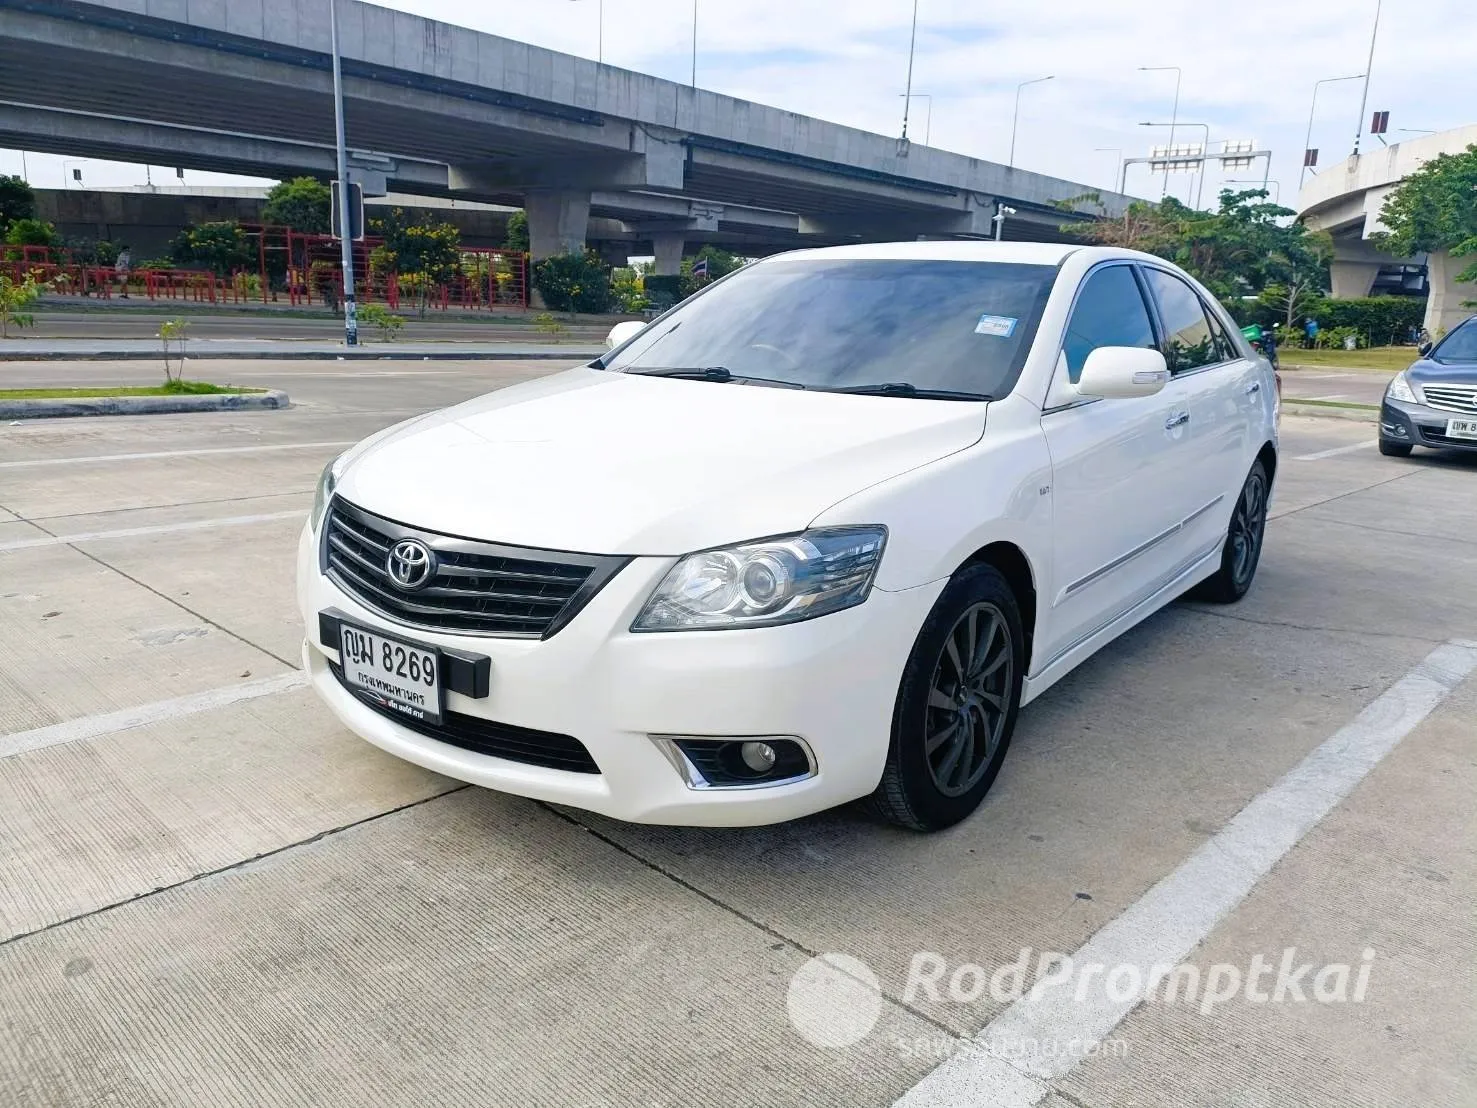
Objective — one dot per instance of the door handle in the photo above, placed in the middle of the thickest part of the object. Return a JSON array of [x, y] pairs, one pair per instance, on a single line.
[[1179, 419], [1253, 388]]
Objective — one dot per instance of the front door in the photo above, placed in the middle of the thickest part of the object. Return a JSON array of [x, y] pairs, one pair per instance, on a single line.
[[1119, 482]]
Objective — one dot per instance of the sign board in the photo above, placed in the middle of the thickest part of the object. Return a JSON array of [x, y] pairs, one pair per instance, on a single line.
[[1238, 153], [1380, 124], [356, 211], [1310, 157], [1179, 158]]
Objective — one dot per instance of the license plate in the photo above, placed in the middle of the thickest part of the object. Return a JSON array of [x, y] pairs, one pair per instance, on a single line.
[[1461, 428], [403, 676]]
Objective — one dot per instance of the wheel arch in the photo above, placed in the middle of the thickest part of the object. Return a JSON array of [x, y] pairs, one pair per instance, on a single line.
[[1267, 455], [1020, 575]]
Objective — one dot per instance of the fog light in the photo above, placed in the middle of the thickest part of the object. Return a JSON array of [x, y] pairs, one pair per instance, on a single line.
[[759, 757]]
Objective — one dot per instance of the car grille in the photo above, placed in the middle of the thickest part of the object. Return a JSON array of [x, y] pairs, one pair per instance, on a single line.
[[1439, 437], [1452, 398], [484, 736], [477, 588]]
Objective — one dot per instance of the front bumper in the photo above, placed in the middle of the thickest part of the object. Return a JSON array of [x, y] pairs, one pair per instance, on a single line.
[[1420, 425], [831, 681]]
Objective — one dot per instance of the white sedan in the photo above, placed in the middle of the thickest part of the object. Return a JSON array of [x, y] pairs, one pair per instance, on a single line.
[[815, 535]]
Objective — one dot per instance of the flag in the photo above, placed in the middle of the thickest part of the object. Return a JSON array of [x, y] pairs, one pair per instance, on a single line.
[[700, 267]]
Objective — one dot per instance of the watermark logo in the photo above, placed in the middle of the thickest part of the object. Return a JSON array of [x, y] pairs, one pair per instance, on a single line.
[[835, 1000]]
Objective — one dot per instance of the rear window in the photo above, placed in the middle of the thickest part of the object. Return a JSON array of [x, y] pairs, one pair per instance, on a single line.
[[837, 323]]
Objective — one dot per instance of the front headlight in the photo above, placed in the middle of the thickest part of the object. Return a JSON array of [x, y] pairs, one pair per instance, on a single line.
[[1401, 389], [768, 582], [327, 482]]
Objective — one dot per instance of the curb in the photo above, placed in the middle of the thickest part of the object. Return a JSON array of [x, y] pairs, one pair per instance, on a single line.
[[575, 353], [1322, 411], [141, 405]]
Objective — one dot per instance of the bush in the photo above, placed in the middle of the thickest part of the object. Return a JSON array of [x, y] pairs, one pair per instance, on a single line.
[[517, 238], [574, 282], [662, 290], [627, 291], [218, 247], [28, 232], [382, 319], [1379, 320], [1335, 338]]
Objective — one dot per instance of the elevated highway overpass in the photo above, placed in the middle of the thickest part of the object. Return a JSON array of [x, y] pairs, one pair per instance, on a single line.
[[244, 86], [1346, 200]]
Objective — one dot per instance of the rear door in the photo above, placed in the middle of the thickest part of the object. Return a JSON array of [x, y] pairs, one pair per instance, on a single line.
[[1222, 392], [1119, 487]]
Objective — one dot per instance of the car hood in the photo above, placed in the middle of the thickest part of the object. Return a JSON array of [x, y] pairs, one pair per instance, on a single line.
[[613, 463], [1427, 372]]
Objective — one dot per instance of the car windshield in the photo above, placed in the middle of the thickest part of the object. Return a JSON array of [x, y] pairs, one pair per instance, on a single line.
[[1459, 346], [906, 327]]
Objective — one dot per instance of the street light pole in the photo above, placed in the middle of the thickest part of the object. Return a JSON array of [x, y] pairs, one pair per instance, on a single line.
[[908, 88], [346, 241], [928, 117], [694, 43], [1174, 114], [1111, 150], [1015, 119], [1368, 69], [1313, 107]]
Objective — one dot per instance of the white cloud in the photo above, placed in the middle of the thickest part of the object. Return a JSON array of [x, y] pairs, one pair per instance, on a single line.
[[1248, 68]]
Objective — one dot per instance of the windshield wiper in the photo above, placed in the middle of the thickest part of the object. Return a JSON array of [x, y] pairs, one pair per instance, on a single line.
[[906, 388], [717, 373]]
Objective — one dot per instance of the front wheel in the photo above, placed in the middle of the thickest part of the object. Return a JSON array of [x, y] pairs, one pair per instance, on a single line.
[[956, 706], [1243, 547], [1395, 449]]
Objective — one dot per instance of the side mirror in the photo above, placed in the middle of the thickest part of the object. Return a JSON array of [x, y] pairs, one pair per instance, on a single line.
[[1123, 372], [1425, 348], [623, 333]]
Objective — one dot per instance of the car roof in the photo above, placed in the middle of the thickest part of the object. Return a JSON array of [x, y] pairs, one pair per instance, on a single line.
[[973, 250]]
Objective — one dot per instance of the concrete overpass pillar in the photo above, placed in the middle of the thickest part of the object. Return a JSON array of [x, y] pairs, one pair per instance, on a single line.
[[1444, 308], [668, 246], [557, 221], [1352, 280]]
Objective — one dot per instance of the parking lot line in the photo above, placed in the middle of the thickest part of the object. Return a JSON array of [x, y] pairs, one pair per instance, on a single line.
[[1046, 1032], [1335, 451], [80, 459], [157, 529], [90, 727]]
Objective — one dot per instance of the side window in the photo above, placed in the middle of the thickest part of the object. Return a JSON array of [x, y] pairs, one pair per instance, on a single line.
[[1188, 340], [1110, 311], [1225, 349]]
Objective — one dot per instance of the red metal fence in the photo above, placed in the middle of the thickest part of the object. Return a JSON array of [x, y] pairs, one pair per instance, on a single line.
[[304, 268]]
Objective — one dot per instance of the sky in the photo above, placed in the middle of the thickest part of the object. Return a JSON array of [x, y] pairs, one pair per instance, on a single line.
[[1247, 71]]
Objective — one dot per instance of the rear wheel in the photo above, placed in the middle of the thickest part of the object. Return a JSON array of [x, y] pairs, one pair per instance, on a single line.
[[956, 706], [1243, 547], [1395, 449]]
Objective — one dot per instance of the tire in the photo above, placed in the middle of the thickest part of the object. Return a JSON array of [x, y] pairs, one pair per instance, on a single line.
[[920, 789], [1395, 449], [1243, 547]]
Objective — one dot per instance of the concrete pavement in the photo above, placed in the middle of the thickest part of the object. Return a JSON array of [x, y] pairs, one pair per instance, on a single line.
[[236, 902]]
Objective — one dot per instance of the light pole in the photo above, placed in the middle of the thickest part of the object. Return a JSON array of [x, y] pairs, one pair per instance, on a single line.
[[908, 88], [1174, 115], [694, 43], [1001, 211], [599, 31], [928, 118], [1015, 119], [1204, 154], [346, 240], [74, 175], [1368, 69], [1313, 107], [1117, 169]]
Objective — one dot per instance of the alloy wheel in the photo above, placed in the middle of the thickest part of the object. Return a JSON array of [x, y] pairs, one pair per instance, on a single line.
[[969, 699], [1247, 526]]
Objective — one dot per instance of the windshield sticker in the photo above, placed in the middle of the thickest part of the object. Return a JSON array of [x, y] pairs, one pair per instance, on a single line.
[[1002, 326]]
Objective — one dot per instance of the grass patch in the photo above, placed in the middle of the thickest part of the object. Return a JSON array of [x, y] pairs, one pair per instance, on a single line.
[[1331, 404], [174, 388], [1376, 357]]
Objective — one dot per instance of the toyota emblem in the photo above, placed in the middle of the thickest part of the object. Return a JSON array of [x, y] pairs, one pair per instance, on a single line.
[[411, 564]]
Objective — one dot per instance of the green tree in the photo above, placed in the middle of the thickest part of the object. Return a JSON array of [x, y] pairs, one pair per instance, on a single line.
[[17, 201], [302, 203], [27, 232], [517, 238], [16, 298], [1434, 209], [428, 253], [218, 247], [720, 264], [574, 282]]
